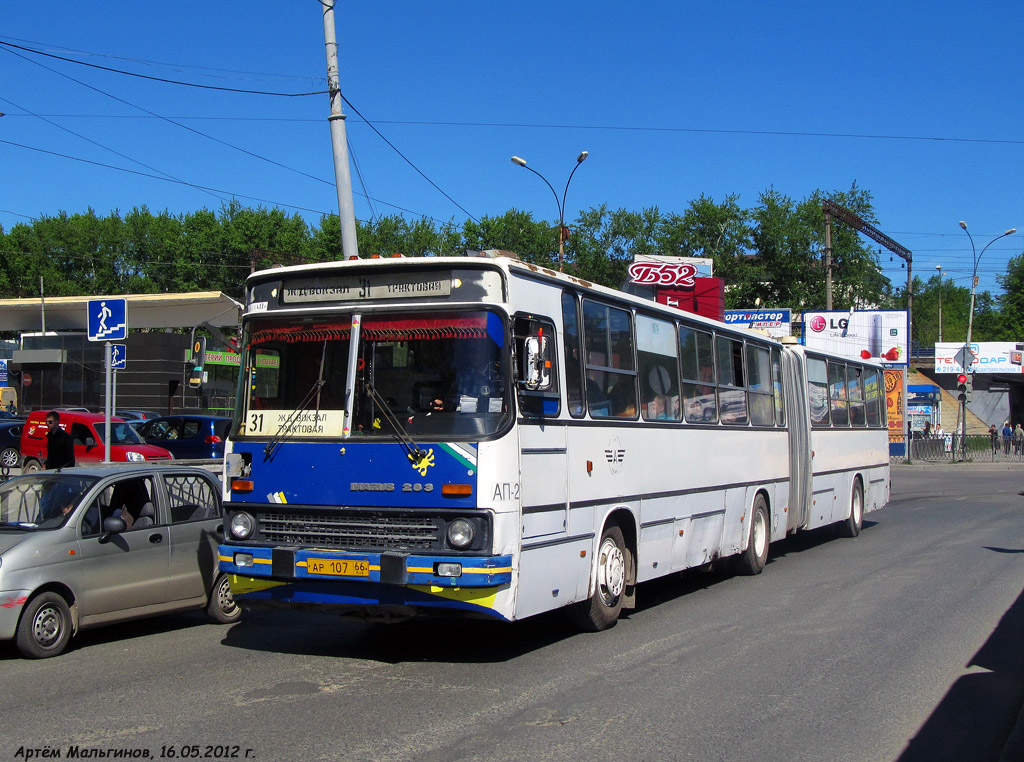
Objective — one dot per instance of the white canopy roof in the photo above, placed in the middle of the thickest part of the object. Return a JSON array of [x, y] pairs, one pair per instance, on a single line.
[[69, 313]]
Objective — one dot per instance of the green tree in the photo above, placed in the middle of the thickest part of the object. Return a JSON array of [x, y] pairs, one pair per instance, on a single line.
[[534, 242], [1011, 302]]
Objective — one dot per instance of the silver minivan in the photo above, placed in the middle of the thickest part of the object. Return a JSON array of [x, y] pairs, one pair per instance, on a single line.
[[83, 547]]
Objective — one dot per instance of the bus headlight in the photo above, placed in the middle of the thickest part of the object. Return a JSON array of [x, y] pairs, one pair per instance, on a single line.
[[241, 525], [460, 533]]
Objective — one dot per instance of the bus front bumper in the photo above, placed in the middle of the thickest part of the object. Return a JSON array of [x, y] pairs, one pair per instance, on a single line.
[[342, 579]]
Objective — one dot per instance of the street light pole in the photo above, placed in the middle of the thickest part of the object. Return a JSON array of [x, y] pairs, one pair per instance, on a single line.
[[939, 268], [968, 355], [563, 231]]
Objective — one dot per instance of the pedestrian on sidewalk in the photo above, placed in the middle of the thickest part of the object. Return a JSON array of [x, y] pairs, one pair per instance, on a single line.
[[1018, 439], [994, 436], [1007, 437]]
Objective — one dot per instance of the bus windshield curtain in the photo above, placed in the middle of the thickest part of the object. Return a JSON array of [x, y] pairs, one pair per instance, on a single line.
[[411, 329]]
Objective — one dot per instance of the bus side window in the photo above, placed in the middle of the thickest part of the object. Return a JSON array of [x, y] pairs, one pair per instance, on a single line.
[[700, 400], [759, 386], [874, 399], [780, 410], [611, 367], [817, 391], [572, 355], [659, 369], [837, 394], [732, 392], [855, 391], [535, 366]]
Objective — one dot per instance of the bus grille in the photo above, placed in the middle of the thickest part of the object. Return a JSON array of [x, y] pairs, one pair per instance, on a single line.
[[320, 530]]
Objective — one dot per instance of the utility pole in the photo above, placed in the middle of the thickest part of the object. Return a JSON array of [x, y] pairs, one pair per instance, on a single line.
[[339, 141], [828, 258]]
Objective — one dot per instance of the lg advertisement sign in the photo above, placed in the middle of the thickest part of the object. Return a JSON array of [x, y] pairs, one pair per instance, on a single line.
[[859, 335]]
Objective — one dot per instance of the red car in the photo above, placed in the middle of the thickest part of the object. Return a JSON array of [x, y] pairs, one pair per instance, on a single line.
[[87, 430]]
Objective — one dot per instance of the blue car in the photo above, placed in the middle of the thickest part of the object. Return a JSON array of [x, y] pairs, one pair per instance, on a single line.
[[10, 443], [188, 436]]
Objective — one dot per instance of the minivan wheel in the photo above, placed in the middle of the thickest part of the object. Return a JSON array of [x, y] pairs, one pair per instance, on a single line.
[[222, 607], [31, 466], [45, 627]]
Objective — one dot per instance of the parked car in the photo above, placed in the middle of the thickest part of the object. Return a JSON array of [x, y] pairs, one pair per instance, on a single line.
[[8, 416], [10, 443], [88, 431], [136, 415], [98, 545], [188, 436]]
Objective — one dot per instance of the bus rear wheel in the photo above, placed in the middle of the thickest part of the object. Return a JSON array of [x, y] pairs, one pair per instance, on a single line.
[[602, 609], [852, 525], [752, 560]]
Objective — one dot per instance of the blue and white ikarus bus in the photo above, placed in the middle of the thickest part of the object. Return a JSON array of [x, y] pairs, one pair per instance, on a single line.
[[491, 438]]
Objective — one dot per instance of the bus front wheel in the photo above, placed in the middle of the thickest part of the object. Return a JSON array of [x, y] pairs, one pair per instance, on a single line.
[[602, 609]]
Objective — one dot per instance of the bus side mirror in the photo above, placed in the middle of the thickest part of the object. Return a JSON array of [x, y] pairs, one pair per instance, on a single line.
[[537, 368]]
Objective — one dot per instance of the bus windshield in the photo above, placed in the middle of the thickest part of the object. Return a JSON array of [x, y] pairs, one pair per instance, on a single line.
[[421, 374]]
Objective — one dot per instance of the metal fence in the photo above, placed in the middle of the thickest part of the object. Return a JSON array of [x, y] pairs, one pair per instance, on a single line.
[[978, 448]]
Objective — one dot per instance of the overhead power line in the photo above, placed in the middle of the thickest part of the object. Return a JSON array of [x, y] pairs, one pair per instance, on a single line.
[[159, 79]]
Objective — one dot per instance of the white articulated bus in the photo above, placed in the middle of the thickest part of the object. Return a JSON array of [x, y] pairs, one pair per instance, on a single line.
[[491, 438]]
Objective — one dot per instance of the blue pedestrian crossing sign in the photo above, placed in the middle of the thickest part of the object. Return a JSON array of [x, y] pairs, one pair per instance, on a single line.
[[118, 356], [108, 319]]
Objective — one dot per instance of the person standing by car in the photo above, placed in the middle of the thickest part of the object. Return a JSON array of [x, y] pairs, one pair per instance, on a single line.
[[60, 447]]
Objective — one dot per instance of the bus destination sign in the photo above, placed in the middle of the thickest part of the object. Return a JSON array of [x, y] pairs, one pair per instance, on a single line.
[[367, 286]]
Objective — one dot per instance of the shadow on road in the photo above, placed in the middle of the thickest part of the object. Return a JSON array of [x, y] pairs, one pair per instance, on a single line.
[[322, 633], [460, 641], [978, 713]]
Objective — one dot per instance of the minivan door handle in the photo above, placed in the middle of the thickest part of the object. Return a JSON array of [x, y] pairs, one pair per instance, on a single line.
[[156, 539]]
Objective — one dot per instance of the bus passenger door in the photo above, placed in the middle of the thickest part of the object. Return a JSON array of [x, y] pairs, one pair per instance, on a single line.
[[541, 444], [544, 486]]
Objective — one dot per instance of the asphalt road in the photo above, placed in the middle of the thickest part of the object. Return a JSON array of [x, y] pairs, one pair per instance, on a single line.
[[906, 644]]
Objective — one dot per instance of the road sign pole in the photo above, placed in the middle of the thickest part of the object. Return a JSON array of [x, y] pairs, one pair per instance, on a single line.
[[108, 348]]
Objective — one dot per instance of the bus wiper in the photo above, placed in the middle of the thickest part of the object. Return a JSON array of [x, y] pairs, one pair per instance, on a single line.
[[285, 429], [412, 450]]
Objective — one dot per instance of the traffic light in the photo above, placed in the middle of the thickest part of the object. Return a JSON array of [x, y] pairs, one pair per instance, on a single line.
[[961, 387], [195, 379]]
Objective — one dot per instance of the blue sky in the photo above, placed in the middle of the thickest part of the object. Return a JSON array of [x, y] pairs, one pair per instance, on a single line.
[[916, 102]]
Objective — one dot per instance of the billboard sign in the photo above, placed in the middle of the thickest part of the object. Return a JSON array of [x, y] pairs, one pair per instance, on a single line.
[[659, 270], [777, 323], [894, 404], [987, 356], [859, 335]]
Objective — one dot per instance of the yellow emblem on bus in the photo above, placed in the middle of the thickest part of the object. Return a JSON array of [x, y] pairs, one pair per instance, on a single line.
[[425, 461]]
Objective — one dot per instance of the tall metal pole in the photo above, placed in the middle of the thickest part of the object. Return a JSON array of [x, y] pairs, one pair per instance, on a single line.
[[910, 314], [563, 231], [968, 354], [339, 141], [939, 268], [828, 260]]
